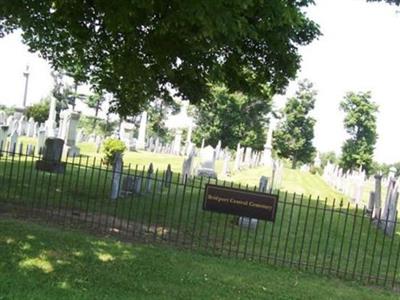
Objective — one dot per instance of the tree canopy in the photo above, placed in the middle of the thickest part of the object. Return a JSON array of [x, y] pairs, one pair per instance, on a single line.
[[397, 2], [294, 136], [141, 50], [360, 124], [232, 118]]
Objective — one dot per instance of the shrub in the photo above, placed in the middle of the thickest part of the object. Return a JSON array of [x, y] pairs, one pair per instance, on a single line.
[[316, 170], [39, 111], [111, 147]]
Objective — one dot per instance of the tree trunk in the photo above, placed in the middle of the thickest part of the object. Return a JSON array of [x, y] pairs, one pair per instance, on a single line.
[[294, 163], [96, 112]]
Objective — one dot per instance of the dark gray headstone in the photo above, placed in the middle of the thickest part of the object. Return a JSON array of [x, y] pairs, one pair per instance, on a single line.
[[149, 178], [51, 160], [168, 176]]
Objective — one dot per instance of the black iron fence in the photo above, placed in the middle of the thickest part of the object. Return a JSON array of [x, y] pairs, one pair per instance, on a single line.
[[323, 236]]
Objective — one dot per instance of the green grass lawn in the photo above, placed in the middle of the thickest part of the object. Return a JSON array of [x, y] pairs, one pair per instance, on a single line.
[[38, 262]]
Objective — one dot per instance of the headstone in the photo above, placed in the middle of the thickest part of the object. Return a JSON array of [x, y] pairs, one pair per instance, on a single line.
[[51, 121], [238, 158], [247, 156], [13, 142], [390, 216], [41, 140], [98, 144], [317, 161], [142, 132], [3, 118], [262, 187], [21, 126], [116, 176], [225, 166], [207, 163], [68, 129], [177, 142], [217, 150], [370, 206], [126, 135], [3, 136], [249, 222], [9, 122], [187, 167], [36, 127], [377, 194], [168, 176], [51, 161], [149, 178], [267, 154], [30, 127], [30, 150], [189, 140], [14, 126]]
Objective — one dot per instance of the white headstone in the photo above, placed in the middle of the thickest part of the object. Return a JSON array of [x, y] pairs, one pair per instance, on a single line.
[[126, 134], [68, 130], [30, 127], [3, 136], [142, 132], [207, 162], [13, 141], [238, 158], [176, 148], [3, 118], [51, 121]]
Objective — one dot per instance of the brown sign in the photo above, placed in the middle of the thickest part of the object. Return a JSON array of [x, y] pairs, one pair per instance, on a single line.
[[239, 202]]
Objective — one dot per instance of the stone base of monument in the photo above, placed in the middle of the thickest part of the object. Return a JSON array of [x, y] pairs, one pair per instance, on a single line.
[[206, 173], [50, 166], [247, 222], [72, 151]]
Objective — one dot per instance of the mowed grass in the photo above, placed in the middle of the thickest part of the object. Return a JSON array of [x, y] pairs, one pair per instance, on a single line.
[[38, 262], [327, 237]]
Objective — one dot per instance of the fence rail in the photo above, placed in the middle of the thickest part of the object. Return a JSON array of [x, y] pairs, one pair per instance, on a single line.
[[324, 236]]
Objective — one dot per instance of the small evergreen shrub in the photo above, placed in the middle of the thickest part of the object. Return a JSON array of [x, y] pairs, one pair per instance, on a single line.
[[110, 148]]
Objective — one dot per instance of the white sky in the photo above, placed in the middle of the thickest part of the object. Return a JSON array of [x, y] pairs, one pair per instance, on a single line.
[[359, 51]]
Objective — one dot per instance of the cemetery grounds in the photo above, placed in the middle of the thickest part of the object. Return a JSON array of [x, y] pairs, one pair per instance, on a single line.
[[325, 235]]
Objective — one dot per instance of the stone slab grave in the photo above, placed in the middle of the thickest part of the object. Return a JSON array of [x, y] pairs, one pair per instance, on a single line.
[[207, 162], [51, 160]]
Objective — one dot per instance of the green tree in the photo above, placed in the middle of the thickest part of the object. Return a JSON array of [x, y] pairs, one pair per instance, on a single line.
[[360, 124], [328, 157], [232, 118], [95, 101], [39, 111], [294, 135], [9, 110], [157, 112], [396, 2], [140, 50]]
